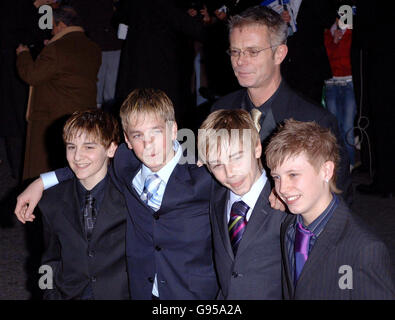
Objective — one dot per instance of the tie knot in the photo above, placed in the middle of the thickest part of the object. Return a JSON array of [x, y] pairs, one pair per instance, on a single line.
[[306, 232], [152, 181], [239, 208], [256, 115], [89, 198]]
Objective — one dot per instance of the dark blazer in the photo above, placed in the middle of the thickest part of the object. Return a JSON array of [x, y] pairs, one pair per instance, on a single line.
[[174, 242], [288, 104], [255, 272], [344, 241], [74, 262]]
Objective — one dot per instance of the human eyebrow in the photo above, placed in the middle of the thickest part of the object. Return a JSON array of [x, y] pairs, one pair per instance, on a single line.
[[235, 155]]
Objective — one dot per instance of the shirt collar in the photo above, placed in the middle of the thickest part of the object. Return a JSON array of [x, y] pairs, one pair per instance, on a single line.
[[97, 191], [266, 105], [251, 197], [166, 171], [318, 225]]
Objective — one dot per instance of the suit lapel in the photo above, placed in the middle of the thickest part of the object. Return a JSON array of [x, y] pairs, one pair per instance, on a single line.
[[71, 208], [284, 254], [219, 205], [102, 214], [326, 241], [176, 185], [130, 174], [257, 218]]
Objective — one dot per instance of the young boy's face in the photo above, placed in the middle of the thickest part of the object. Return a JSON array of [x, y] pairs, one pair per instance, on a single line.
[[236, 168], [151, 139], [303, 188], [88, 159]]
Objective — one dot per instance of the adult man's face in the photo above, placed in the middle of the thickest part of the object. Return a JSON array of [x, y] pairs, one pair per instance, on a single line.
[[260, 71]]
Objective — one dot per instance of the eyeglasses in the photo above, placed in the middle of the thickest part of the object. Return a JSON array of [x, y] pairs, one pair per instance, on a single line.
[[249, 52]]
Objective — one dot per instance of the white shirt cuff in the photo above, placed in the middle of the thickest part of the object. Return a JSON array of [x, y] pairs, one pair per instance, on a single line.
[[49, 179]]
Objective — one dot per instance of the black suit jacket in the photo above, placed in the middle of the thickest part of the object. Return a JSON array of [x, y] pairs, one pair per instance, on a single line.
[[288, 104], [75, 262], [255, 271], [345, 241]]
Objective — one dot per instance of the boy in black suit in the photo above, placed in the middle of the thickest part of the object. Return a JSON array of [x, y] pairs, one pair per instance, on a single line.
[[84, 218], [327, 252], [245, 228], [168, 239]]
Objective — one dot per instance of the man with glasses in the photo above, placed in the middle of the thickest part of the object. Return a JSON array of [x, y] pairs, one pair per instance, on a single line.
[[257, 48]]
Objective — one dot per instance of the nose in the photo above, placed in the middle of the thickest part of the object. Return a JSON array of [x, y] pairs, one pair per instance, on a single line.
[[77, 154], [148, 139], [283, 186], [229, 171], [241, 59]]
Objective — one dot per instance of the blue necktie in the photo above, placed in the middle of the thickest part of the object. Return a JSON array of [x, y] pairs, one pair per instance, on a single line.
[[149, 195], [237, 223]]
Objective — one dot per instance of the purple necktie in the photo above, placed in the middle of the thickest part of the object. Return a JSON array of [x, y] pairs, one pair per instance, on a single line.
[[302, 241], [237, 223]]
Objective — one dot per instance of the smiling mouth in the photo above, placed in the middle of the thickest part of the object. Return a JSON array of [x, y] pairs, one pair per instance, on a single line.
[[291, 199], [82, 165]]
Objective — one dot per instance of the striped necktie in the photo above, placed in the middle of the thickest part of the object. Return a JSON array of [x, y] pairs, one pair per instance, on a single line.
[[237, 223], [301, 247], [149, 195]]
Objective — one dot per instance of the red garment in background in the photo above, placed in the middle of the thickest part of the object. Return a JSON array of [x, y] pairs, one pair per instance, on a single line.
[[339, 54]]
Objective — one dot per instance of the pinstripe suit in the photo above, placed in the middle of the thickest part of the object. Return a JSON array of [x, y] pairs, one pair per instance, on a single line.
[[344, 241], [254, 273]]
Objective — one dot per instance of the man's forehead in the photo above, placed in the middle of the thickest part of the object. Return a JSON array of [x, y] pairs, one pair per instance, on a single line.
[[248, 30]]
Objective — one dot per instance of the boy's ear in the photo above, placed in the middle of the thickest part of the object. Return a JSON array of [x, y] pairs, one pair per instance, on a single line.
[[258, 150], [328, 168], [174, 130], [111, 149], [127, 140]]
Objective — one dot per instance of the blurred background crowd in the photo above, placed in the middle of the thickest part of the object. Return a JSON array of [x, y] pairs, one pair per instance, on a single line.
[[179, 46]]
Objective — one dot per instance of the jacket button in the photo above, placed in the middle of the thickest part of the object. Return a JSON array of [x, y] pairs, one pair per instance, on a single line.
[[93, 279], [156, 216], [235, 274], [150, 279], [157, 248], [91, 254]]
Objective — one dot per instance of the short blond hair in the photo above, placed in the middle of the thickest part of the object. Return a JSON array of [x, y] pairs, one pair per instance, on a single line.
[[95, 123], [296, 137], [225, 121], [146, 101]]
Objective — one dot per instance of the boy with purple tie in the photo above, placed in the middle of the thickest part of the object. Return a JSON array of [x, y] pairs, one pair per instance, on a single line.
[[327, 252]]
